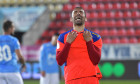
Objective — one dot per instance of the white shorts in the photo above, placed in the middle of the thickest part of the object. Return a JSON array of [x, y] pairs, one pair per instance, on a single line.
[[10, 78], [50, 79]]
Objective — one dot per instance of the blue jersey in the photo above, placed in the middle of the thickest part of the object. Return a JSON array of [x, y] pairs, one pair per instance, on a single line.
[[8, 57], [48, 61]]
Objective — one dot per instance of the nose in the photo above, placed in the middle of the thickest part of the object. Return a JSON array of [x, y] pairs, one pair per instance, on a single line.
[[78, 13]]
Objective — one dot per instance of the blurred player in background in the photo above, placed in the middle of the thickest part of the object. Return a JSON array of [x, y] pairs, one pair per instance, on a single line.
[[62, 72], [48, 64], [9, 52], [80, 50]]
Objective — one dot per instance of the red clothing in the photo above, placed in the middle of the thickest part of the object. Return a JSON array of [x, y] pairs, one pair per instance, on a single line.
[[86, 80], [80, 57], [99, 74]]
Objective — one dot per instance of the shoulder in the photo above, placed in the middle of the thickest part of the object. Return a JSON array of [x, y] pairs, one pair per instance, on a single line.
[[95, 36], [13, 38], [46, 45], [0, 36], [61, 36]]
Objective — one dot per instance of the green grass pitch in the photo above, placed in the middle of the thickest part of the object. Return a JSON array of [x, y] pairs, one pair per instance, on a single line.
[[101, 82]]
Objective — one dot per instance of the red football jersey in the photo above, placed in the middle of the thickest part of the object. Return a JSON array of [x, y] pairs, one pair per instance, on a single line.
[[78, 63]]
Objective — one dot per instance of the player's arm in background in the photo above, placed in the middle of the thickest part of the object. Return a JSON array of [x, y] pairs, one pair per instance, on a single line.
[[42, 60], [94, 45], [62, 72], [21, 59], [19, 55]]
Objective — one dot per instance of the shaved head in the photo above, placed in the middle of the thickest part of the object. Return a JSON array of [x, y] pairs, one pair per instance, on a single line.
[[78, 16], [78, 8]]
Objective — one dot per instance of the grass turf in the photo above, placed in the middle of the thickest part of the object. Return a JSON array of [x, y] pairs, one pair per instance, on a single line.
[[101, 82]]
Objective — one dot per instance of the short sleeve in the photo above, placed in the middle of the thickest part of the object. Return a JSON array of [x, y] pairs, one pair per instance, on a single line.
[[16, 44]]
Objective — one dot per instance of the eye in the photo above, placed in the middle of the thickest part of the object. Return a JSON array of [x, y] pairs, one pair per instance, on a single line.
[[75, 12]]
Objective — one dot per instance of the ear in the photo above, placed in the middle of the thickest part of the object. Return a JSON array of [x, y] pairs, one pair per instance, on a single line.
[[71, 19], [85, 19], [10, 29]]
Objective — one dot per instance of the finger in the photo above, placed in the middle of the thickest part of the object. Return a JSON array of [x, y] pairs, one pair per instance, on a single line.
[[90, 34], [86, 32], [70, 34], [73, 32], [83, 33]]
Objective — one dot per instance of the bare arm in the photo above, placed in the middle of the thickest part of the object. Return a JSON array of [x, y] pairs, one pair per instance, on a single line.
[[20, 57]]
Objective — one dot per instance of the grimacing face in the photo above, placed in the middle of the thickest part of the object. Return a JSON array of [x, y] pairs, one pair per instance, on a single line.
[[78, 16]]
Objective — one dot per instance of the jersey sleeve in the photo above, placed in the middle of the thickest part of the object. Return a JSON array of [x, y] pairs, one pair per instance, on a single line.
[[60, 42], [42, 58], [97, 41], [16, 44]]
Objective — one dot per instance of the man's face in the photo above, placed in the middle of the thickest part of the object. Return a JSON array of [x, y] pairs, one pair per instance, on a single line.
[[54, 40], [78, 16]]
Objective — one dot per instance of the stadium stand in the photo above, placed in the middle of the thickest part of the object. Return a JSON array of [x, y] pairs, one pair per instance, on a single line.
[[110, 18], [116, 19]]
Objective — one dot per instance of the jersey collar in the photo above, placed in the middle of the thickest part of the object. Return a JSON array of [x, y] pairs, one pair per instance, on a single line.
[[79, 32]]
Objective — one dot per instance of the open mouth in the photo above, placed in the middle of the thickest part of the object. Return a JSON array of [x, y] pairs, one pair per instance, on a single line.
[[78, 18]]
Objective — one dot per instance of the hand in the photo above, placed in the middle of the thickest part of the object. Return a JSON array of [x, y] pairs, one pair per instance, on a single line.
[[87, 36], [43, 73], [23, 68], [71, 37]]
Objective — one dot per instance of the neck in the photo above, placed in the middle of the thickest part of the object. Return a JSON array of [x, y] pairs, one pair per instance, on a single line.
[[53, 43], [6, 33], [79, 28]]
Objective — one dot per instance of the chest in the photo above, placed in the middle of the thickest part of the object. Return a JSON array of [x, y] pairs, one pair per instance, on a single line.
[[79, 42], [50, 50]]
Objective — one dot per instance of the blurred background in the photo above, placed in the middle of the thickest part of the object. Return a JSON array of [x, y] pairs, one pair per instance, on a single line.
[[117, 21]]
